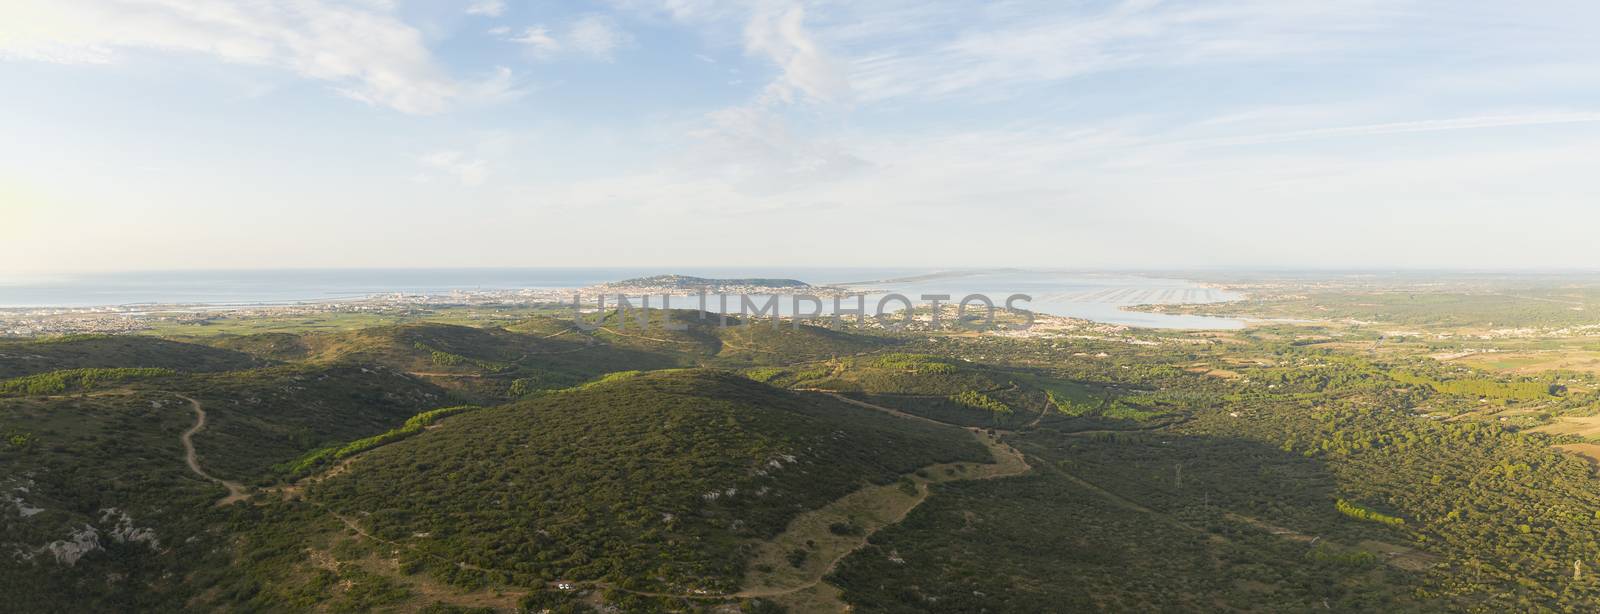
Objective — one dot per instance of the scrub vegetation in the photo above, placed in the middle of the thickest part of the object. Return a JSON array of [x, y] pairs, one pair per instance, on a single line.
[[1336, 462]]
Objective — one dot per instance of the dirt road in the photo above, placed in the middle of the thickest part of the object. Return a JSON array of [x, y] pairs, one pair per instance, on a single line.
[[236, 491]]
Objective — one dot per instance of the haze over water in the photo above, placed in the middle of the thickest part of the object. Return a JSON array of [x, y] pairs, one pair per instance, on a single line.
[[1097, 297]]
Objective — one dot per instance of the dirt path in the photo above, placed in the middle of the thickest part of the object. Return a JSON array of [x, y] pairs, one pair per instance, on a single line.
[[888, 503], [236, 491], [1039, 418], [903, 414], [441, 374], [873, 406], [802, 589]]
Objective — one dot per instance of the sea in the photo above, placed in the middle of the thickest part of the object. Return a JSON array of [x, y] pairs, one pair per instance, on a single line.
[[1093, 296]]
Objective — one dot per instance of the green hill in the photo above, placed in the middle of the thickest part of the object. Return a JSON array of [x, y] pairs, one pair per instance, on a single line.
[[731, 340], [258, 419], [945, 389], [270, 346], [487, 365], [763, 343], [97, 510], [423, 347], [20, 358], [544, 326], [656, 480]]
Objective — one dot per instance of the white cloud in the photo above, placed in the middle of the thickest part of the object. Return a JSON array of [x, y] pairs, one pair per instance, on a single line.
[[596, 36], [757, 152], [806, 70], [470, 173], [592, 36], [539, 40], [487, 8], [362, 51]]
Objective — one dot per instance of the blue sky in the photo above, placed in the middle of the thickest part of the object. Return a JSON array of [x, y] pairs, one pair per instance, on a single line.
[[152, 134]]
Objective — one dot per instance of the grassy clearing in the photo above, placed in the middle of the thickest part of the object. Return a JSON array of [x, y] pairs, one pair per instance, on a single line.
[[790, 567], [1403, 557], [1583, 426], [1587, 451], [1583, 360]]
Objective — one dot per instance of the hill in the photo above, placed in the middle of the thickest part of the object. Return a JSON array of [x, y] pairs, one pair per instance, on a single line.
[[945, 389], [488, 364], [97, 510], [269, 346], [763, 343], [261, 418], [660, 480], [21, 358], [730, 340]]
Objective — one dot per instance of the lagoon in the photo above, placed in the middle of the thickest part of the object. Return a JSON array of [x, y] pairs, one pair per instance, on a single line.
[[1093, 296]]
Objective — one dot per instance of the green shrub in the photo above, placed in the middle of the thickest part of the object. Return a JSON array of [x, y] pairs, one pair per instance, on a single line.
[[413, 425], [844, 528], [1360, 513], [978, 400]]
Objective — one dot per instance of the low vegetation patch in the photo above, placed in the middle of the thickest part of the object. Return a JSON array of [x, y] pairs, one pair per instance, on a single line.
[[318, 458], [1521, 391], [1360, 513], [978, 400], [915, 363], [447, 359], [57, 382]]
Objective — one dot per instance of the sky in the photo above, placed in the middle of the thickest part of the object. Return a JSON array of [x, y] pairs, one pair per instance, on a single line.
[[215, 134]]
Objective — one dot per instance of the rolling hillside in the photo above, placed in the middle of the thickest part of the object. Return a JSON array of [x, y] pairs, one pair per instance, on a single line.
[[20, 358], [259, 419], [97, 510], [658, 480]]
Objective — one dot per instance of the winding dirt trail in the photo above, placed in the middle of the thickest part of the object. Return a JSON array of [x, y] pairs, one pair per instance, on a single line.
[[236, 491], [889, 506]]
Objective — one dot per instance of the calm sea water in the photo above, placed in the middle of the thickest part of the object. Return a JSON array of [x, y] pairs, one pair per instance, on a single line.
[[1090, 296]]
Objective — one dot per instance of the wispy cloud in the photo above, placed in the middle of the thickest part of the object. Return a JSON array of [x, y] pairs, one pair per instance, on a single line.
[[596, 36], [1429, 125], [487, 8], [807, 71], [931, 49], [538, 39], [469, 172], [364, 52], [592, 36], [1014, 46]]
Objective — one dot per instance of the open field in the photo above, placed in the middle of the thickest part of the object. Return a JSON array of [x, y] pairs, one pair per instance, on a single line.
[[1582, 426], [1589, 451], [1529, 362]]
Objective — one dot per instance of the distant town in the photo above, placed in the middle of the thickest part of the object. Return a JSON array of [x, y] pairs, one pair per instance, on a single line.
[[40, 321]]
